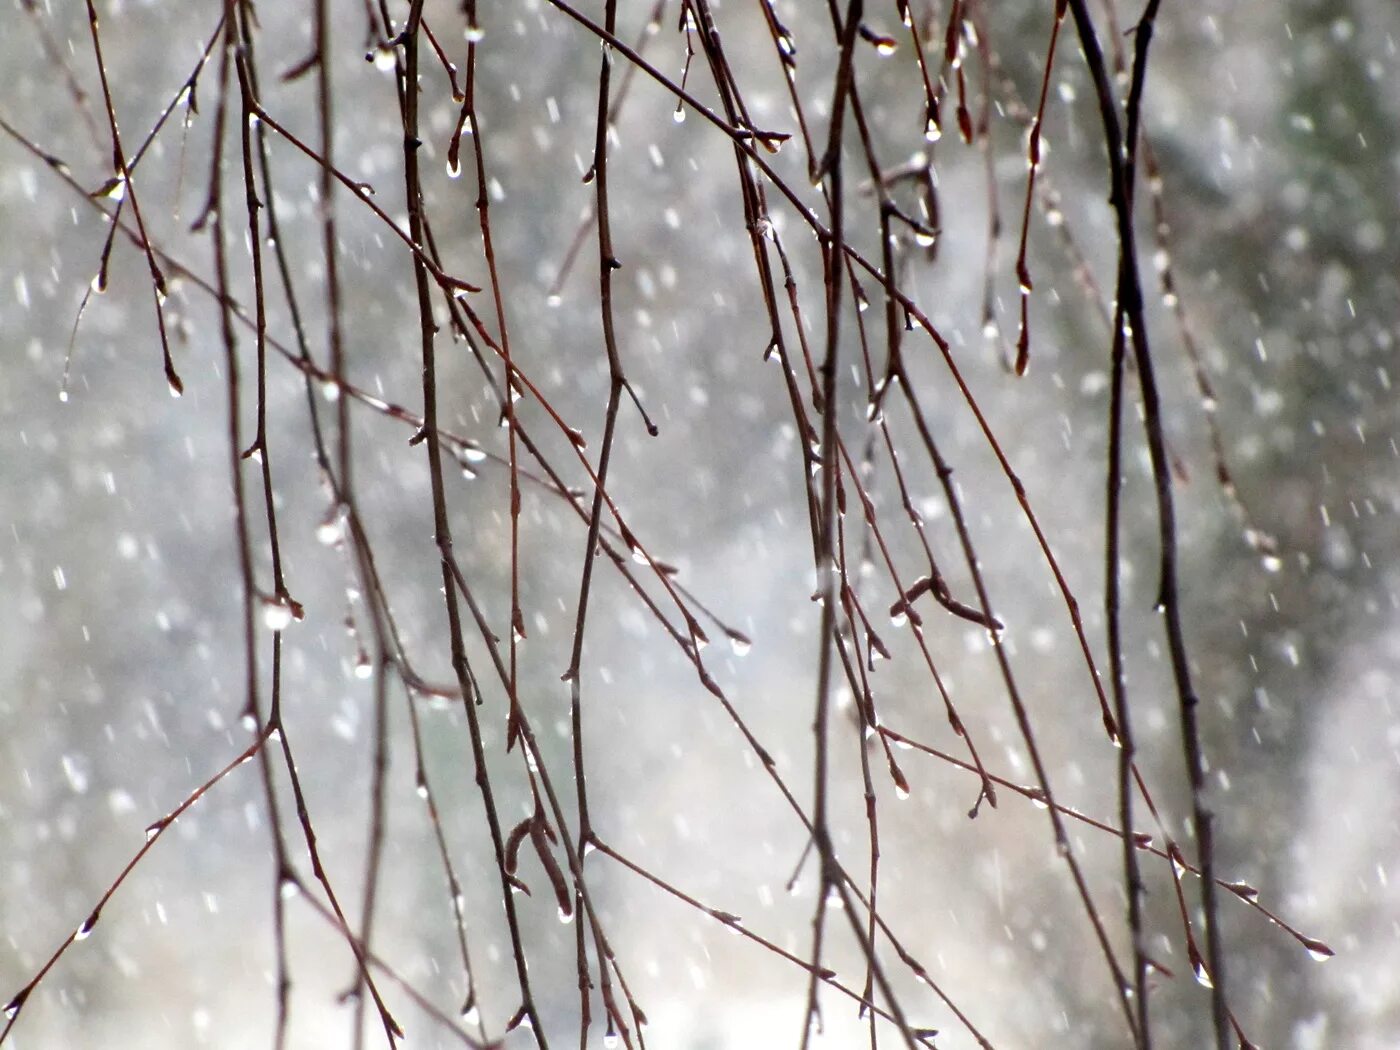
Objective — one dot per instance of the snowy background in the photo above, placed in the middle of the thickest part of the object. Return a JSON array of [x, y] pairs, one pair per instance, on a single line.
[[1277, 130]]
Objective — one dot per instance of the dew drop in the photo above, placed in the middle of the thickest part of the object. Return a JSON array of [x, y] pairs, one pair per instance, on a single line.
[[741, 644], [679, 115], [454, 167]]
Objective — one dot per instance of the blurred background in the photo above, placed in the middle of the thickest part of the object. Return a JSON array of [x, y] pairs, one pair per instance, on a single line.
[[1276, 136]]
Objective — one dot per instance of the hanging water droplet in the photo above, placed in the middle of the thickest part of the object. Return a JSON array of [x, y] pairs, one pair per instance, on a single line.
[[85, 930], [473, 34], [332, 530], [277, 615], [933, 131], [454, 166], [99, 281], [154, 829], [384, 59], [177, 389], [287, 888], [679, 115], [1198, 967], [471, 1013], [364, 666], [610, 1039], [566, 915], [114, 189], [740, 644], [1319, 951]]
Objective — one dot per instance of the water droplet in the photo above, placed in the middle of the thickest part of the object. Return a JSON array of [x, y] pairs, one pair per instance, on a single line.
[[741, 644], [85, 930], [364, 666], [454, 167], [554, 299], [332, 529], [610, 1037], [384, 59], [276, 613], [471, 1013], [1319, 951], [1198, 967], [1243, 890], [63, 396], [566, 915], [154, 829], [114, 189], [679, 115], [177, 389], [99, 281], [288, 888], [473, 34], [932, 130]]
